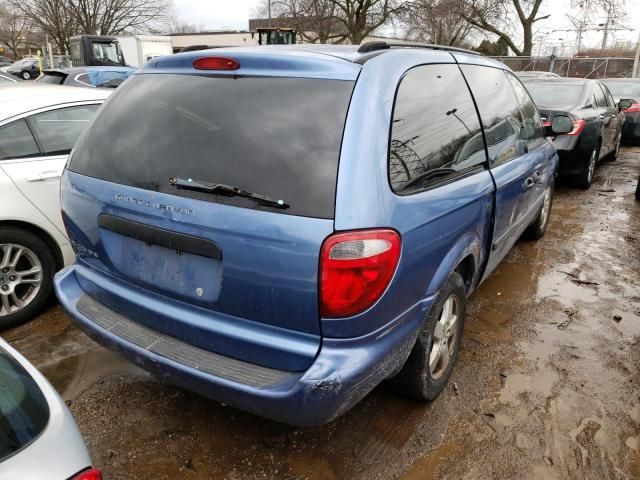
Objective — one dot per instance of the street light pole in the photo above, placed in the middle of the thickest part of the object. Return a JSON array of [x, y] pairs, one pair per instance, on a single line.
[[636, 61]]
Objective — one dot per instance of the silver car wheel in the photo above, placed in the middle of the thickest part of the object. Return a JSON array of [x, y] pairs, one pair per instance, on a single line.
[[445, 337], [20, 277]]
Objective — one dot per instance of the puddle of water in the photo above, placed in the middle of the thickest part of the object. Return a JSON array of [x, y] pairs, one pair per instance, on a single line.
[[73, 375], [537, 383], [428, 466]]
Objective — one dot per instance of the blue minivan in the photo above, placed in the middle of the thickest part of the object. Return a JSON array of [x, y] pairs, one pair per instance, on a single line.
[[283, 228]]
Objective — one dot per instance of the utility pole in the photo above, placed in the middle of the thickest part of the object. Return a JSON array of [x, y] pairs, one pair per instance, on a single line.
[[269, 9], [636, 60]]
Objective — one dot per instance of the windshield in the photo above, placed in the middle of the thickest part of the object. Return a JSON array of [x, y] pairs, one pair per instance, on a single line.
[[279, 137], [624, 89], [106, 52], [24, 412], [554, 94]]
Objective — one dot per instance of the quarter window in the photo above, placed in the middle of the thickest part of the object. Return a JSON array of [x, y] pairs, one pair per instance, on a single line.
[[500, 112], [16, 141], [58, 130], [436, 133]]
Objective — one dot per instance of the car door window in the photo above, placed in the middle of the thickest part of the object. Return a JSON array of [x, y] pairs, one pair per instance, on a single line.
[[601, 101], [436, 132], [504, 128], [607, 95], [16, 141], [533, 131], [58, 130]]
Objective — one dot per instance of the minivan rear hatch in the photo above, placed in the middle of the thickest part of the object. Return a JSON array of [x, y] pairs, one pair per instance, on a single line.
[[212, 193]]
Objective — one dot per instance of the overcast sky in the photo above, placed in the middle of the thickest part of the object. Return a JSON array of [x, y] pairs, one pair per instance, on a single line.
[[235, 14]]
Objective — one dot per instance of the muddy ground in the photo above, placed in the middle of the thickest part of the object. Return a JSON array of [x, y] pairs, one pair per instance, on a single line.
[[547, 385]]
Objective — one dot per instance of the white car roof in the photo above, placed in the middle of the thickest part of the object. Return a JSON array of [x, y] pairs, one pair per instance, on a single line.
[[18, 99]]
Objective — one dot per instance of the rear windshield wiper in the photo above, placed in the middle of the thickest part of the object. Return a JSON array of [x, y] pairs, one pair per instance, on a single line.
[[222, 189]]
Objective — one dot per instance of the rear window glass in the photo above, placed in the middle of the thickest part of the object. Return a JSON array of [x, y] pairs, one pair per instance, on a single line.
[[554, 94], [278, 137], [50, 78], [24, 412], [624, 89]]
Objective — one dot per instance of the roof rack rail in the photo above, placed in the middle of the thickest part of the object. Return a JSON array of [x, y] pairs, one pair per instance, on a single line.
[[382, 45]]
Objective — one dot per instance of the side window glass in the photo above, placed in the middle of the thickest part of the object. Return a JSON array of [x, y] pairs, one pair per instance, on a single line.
[[600, 100], [16, 141], [607, 95], [499, 111], [436, 133], [532, 131], [58, 130]]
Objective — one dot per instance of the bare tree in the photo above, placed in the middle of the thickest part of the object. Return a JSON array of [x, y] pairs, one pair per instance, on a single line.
[[52, 17], [436, 21], [315, 20], [490, 15], [15, 29], [61, 19], [360, 18]]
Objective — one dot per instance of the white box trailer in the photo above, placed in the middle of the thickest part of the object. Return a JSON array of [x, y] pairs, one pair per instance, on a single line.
[[139, 49]]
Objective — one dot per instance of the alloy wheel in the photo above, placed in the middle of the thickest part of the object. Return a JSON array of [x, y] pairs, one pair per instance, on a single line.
[[592, 164], [546, 207], [20, 277], [445, 337]]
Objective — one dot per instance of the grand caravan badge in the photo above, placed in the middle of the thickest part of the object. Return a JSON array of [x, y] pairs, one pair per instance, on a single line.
[[159, 206]]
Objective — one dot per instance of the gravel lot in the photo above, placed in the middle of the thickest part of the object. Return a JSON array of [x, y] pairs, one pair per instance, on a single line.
[[547, 385]]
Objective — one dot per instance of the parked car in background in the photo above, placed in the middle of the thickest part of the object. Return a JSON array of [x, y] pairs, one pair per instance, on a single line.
[[39, 125], [8, 79], [627, 89], [39, 439], [26, 68], [5, 61], [94, 77], [531, 74], [597, 122], [248, 245]]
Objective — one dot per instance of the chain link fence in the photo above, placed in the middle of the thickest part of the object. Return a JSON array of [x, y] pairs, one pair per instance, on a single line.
[[572, 67]]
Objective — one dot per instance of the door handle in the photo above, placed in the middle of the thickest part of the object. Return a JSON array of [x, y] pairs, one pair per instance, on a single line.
[[46, 175], [537, 175], [528, 183]]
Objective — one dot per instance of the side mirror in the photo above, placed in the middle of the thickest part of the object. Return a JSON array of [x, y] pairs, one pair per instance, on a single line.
[[624, 104], [561, 124]]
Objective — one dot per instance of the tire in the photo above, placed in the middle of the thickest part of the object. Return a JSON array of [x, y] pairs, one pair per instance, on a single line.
[[613, 156], [583, 180], [417, 379], [35, 289], [638, 190], [26, 75], [538, 228]]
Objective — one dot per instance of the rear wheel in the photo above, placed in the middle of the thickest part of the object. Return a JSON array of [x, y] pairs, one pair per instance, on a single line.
[[583, 180], [638, 190], [26, 276], [429, 366], [538, 228], [26, 75]]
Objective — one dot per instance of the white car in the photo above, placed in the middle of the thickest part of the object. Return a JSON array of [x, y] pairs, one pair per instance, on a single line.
[[39, 439], [39, 125]]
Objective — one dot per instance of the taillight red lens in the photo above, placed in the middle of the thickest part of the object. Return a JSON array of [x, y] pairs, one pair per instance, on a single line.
[[216, 63], [355, 269], [634, 108], [578, 126], [90, 474]]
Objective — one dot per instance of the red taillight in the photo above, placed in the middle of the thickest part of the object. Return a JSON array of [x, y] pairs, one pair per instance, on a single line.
[[90, 474], [578, 126], [355, 269], [216, 63], [546, 123], [634, 108]]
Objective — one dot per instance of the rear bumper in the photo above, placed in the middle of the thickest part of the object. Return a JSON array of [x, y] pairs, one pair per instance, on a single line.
[[343, 372], [574, 154]]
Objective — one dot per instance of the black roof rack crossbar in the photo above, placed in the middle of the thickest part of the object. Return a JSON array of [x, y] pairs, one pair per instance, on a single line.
[[382, 45]]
